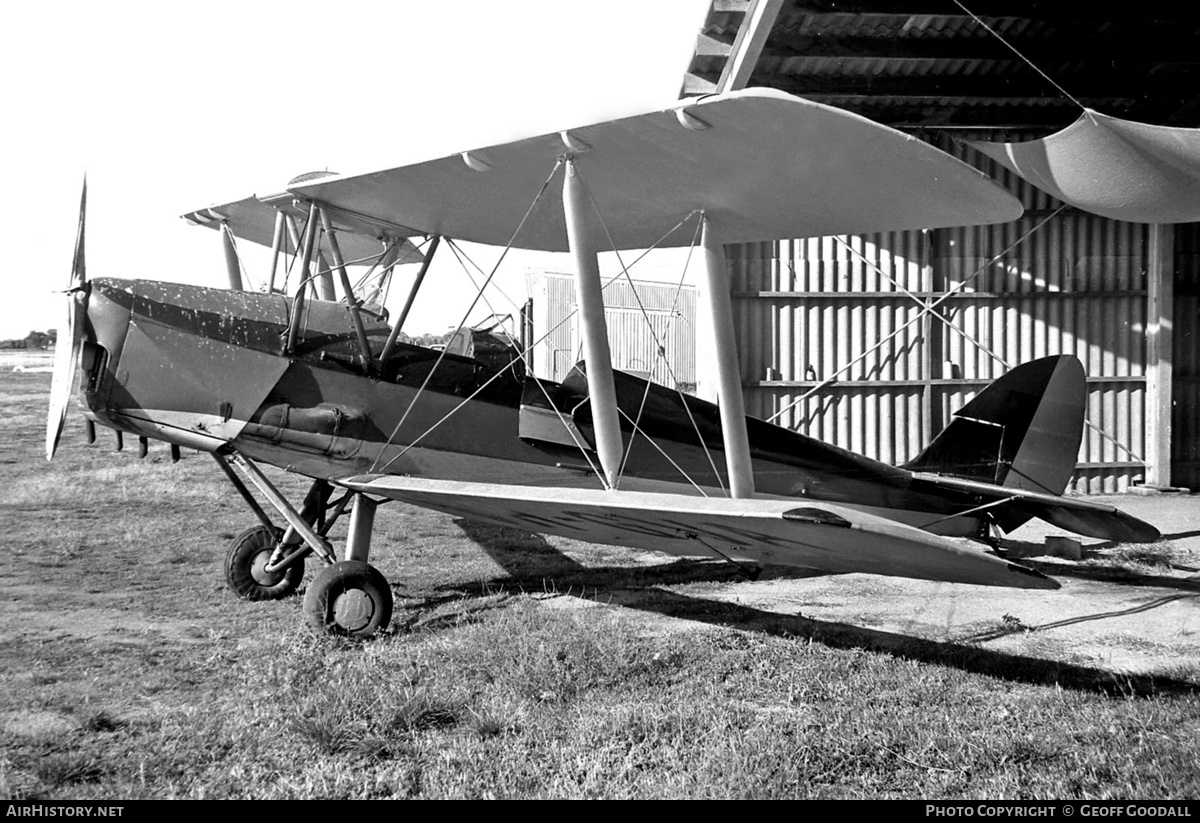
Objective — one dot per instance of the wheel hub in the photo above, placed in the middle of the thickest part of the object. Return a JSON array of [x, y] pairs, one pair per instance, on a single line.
[[258, 569], [353, 609]]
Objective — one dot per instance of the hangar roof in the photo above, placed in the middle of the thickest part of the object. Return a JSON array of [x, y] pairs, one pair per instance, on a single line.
[[929, 63]]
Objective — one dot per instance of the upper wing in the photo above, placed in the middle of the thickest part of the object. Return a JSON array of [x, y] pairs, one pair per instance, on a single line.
[[1084, 517], [787, 532], [253, 219], [763, 164]]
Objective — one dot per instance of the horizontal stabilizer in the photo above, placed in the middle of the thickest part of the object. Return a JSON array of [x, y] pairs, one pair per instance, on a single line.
[[1107, 523], [779, 531], [1086, 517]]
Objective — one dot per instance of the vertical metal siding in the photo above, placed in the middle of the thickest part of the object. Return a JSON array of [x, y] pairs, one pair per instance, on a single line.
[[664, 349], [805, 309], [553, 329]]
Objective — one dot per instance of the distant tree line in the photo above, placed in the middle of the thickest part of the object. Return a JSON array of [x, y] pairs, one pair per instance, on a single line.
[[34, 340]]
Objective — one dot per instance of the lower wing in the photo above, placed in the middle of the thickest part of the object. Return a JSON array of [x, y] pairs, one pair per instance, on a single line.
[[786, 532]]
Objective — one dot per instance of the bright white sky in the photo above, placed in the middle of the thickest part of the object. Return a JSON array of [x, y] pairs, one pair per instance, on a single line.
[[170, 107]]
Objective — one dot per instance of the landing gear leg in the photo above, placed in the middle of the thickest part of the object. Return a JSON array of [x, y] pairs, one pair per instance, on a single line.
[[348, 598], [266, 562], [351, 598]]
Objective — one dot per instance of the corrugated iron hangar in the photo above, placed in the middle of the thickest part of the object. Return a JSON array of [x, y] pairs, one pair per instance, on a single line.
[[871, 342]]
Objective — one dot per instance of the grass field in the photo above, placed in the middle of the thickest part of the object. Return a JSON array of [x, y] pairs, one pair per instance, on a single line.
[[516, 667]]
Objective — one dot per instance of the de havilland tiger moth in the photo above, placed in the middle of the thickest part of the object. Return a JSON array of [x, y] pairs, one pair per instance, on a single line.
[[326, 388]]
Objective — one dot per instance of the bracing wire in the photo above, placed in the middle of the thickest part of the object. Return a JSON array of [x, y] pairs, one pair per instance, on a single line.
[[471, 308], [468, 399], [926, 308], [523, 357], [1015, 51], [529, 371], [986, 350], [658, 346]]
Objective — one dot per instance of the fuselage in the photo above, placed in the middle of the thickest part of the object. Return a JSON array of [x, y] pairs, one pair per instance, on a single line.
[[209, 369]]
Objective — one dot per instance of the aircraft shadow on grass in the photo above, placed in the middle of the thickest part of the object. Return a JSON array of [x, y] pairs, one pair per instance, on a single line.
[[1119, 576], [532, 564]]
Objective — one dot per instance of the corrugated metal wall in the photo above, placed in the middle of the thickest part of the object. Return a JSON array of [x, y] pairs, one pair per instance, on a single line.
[[813, 310], [553, 325], [663, 350]]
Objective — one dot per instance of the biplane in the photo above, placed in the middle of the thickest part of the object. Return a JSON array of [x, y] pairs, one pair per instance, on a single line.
[[326, 387]]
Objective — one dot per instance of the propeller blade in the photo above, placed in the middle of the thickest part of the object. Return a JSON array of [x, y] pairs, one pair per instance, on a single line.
[[78, 270], [69, 344]]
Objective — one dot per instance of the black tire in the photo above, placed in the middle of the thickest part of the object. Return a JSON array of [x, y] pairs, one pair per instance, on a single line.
[[248, 553], [348, 599]]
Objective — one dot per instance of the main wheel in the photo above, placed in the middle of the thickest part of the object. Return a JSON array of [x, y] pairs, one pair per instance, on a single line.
[[245, 567], [348, 599]]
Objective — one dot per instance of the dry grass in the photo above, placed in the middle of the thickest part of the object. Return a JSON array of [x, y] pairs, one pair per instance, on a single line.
[[129, 671], [1149, 557]]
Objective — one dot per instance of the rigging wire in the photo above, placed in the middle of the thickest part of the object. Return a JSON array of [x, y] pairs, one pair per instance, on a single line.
[[523, 354], [1103, 434], [571, 429], [465, 401], [658, 346], [1015, 51], [636, 431], [461, 254], [501, 372], [378, 259], [925, 309], [660, 355], [575, 436], [979, 345], [920, 302], [442, 353]]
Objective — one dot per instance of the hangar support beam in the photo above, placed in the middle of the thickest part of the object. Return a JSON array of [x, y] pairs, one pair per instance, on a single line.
[[751, 38]]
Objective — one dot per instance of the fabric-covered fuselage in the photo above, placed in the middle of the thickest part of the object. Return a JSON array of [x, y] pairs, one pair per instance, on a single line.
[[206, 368]]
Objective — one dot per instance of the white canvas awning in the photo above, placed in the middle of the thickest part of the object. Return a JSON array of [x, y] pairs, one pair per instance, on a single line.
[[1111, 167]]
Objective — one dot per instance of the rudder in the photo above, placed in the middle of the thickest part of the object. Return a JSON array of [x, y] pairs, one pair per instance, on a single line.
[[1022, 431]]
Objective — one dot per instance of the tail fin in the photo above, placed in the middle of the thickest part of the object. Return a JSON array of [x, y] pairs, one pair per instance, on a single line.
[[1022, 431]]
